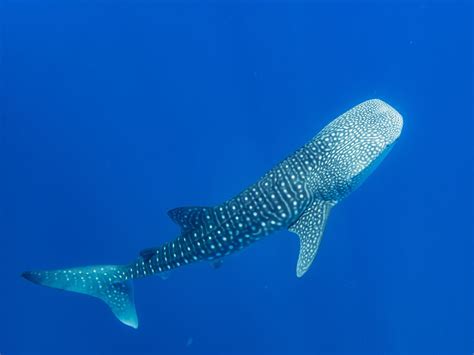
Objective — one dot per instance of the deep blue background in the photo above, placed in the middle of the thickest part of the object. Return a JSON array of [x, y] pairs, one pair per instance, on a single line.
[[114, 112]]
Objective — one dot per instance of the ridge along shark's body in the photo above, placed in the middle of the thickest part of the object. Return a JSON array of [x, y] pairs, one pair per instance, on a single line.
[[297, 195]]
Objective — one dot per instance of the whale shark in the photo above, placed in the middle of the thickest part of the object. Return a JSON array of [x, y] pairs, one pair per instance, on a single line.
[[296, 195]]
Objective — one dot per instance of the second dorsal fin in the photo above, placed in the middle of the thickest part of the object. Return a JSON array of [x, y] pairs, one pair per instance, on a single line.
[[147, 254], [189, 218]]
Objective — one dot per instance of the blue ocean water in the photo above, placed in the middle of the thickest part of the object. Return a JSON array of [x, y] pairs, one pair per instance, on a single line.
[[113, 113]]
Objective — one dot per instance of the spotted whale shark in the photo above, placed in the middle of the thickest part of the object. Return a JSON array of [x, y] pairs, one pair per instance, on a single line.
[[297, 195]]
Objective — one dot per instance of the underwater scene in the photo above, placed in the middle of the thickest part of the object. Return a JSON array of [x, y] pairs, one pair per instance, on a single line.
[[237, 177]]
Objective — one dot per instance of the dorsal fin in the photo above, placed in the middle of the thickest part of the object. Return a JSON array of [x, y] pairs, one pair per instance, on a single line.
[[189, 218], [310, 229]]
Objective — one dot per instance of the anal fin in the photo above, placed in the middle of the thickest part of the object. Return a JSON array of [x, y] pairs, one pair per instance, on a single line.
[[310, 228], [217, 263]]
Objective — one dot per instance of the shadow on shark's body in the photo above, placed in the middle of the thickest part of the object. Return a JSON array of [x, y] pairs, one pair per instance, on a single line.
[[297, 195]]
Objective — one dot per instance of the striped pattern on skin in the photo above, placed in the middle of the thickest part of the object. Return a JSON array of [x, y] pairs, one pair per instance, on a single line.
[[297, 195]]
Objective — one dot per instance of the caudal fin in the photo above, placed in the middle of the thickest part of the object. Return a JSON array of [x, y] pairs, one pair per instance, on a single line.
[[107, 282]]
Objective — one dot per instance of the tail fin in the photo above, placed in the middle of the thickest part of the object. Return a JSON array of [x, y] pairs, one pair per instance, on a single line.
[[107, 282]]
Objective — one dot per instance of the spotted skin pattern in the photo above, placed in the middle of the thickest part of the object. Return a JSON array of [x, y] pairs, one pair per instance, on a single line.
[[297, 195]]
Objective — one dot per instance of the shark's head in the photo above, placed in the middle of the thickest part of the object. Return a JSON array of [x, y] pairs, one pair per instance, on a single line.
[[383, 120], [355, 143], [382, 126]]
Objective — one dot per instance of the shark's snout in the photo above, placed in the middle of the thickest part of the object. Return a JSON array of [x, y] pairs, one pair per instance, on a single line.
[[390, 121]]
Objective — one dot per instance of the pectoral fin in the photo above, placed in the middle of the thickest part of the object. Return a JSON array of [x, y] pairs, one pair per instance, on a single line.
[[310, 228]]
